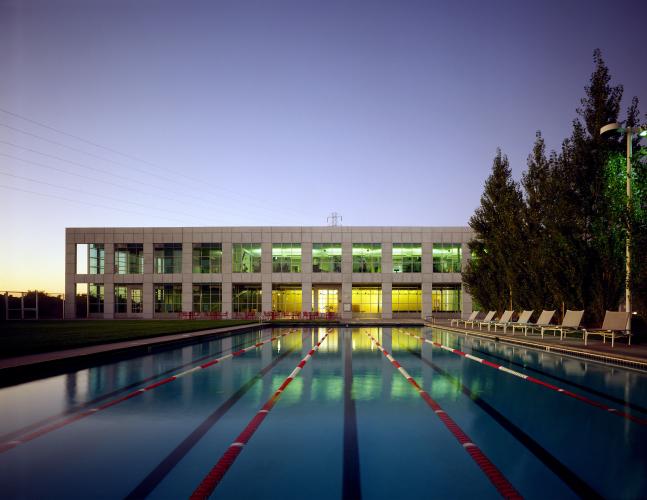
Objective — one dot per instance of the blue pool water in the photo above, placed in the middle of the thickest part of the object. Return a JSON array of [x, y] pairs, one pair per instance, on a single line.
[[348, 426]]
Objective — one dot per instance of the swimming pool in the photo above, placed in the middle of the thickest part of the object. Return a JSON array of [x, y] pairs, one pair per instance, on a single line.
[[373, 413]]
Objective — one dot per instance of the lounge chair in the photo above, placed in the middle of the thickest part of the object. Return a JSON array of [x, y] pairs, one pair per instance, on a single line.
[[570, 323], [471, 319], [522, 322], [503, 321], [544, 320], [487, 320], [615, 323]]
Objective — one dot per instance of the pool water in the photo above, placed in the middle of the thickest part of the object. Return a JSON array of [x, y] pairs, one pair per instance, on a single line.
[[349, 425]]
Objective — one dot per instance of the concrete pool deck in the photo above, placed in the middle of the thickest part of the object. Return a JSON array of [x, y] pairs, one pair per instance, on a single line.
[[634, 356]]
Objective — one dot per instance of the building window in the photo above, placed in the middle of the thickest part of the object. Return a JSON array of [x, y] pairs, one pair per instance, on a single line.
[[286, 298], [90, 258], [447, 257], [207, 258], [247, 298], [286, 257], [327, 300], [129, 258], [168, 298], [407, 258], [326, 257], [406, 299], [367, 258], [168, 258], [207, 297], [121, 299], [246, 257], [95, 298], [446, 299], [367, 300], [136, 305]]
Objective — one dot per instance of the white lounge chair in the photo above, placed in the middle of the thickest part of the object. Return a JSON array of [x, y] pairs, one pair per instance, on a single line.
[[543, 321], [615, 323], [503, 321], [487, 320], [522, 322], [570, 323], [470, 319]]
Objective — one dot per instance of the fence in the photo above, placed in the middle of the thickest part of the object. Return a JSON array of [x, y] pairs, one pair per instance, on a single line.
[[32, 304]]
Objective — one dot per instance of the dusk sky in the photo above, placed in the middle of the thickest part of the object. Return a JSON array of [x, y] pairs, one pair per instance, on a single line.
[[208, 113]]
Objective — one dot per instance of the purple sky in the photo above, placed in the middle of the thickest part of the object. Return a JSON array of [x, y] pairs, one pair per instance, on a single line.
[[258, 113]]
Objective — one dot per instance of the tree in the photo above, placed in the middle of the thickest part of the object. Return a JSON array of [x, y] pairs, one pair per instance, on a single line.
[[499, 256]]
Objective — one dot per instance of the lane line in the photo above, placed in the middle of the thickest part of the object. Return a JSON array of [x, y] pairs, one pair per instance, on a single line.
[[496, 477], [218, 471], [74, 418], [532, 380], [159, 473], [351, 480], [567, 475]]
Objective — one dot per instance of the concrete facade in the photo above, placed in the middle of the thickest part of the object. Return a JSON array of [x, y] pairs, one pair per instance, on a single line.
[[266, 236]]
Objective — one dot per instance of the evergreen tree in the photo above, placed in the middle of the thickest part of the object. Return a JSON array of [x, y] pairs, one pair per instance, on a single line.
[[493, 276]]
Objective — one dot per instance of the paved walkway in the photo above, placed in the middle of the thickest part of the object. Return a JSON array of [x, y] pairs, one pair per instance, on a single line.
[[80, 352], [595, 348]]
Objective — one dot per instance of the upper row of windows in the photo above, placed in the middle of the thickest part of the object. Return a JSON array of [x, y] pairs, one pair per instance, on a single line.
[[286, 258]]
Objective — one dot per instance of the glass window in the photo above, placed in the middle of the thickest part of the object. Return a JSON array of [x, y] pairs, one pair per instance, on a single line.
[[81, 258], [207, 297], [95, 298], [326, 257], [286, 298], [327, 301], [81, 300], [129, 258], [367, 258], [406, 299], [447, 257], [247, 298], [367, 300], [97, 258], [207, 257], [446, 299], [246, 257], [168, 258], [136, 300], [121, 299], [168, 298], [407, 258], [286, 257]]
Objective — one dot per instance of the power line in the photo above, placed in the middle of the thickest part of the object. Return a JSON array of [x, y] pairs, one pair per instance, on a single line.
[[106, 207], [121, 200], [82, 165], [125, 155]]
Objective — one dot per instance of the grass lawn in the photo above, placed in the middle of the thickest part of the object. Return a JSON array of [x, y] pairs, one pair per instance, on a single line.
[[18, 338]]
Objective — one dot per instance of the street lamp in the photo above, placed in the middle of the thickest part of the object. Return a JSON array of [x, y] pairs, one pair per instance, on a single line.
[[628, 131]]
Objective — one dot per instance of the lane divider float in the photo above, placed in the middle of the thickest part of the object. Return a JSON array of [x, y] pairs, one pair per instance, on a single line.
[[78, 416], [496, 477], [218, 471], [531, 379]]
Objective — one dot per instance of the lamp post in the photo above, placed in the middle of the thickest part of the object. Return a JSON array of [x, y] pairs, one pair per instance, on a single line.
[[629, 132]]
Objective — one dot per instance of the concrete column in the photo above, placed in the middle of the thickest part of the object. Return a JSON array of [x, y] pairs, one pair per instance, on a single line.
[[226, 296], [426, 299], [387, 311], [109, 300], [306, 297], [267, 292], [70, 278], [187, 276], [148, 305], [346, 298]]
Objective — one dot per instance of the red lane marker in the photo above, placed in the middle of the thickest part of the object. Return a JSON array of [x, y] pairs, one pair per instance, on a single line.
[[78, 416], [215, 475], [496, 477], [523, 376]]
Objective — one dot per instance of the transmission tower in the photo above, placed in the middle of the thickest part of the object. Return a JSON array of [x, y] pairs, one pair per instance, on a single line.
[[334, 219]]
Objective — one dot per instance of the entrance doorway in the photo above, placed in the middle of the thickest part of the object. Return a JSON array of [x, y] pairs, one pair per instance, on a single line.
[[325, 300]]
